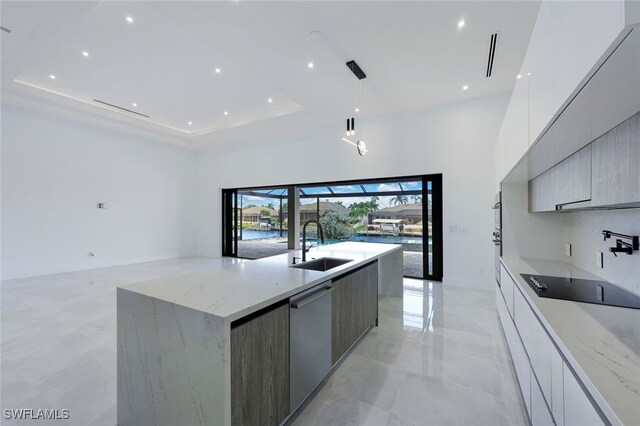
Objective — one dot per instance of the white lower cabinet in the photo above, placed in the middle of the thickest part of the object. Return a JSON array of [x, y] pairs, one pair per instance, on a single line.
[[578, 410], [535, 340], [518, 355], [557, 388], [540, 415], [550, 390], [507, 286]]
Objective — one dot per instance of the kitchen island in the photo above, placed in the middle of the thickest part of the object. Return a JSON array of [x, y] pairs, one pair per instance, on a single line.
[[212, 347]]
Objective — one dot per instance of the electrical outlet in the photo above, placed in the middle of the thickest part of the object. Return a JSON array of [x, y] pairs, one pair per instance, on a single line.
[[101, 205], [567, 249], [91, 254], [600, 259]]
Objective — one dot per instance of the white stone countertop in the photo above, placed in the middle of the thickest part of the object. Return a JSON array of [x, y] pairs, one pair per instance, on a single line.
[[601, 343], [234, 291]]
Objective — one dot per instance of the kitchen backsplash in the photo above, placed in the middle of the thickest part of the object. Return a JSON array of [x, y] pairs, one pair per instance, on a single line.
[[584, 231]]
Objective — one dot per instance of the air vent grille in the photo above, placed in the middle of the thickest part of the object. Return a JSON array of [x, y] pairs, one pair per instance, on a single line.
[[493, 42], [119, 107]]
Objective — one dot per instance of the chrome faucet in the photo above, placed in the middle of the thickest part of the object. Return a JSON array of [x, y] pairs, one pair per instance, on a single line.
[[304, 238]]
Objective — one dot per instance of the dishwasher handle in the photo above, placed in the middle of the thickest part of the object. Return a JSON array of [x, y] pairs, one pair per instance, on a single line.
[[312, 298]]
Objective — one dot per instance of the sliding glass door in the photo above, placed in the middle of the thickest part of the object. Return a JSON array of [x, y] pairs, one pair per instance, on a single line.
[[405, 211]]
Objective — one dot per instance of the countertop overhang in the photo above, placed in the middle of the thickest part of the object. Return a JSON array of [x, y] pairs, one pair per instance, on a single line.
[[233, 291], [600, 343]]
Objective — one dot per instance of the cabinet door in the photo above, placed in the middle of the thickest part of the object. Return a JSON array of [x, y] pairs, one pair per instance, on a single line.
[[517, 124], [518, 355], [536, 342], [578, 410], [567, 182], [616, 162], [615, 91], [500, 169], [507, 286], [538, 63], [354, 308], [370, 282], [260, 369], [557, 388], [542, 192], [540, 414]]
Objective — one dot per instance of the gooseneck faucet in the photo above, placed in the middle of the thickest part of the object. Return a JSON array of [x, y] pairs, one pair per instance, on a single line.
[[304, 237]]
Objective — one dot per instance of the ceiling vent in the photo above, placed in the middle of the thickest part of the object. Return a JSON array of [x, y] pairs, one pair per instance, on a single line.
[[6, 30], [493, 42], [119, 107]]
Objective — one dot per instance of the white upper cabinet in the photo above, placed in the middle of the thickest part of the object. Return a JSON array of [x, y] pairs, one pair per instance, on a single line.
[[581, 33], [517, 123], [500, 171], [538, 70], [568, 40]]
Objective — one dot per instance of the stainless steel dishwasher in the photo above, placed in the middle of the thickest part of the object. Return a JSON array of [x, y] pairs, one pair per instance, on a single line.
[[310, 341]]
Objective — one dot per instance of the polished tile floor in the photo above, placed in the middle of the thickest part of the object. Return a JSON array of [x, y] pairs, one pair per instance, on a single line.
[[437, 358]]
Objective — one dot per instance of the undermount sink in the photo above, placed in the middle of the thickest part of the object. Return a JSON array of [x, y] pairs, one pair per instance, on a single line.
[[322, 264]]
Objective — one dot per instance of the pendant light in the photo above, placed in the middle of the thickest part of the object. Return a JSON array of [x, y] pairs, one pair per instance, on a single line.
[[351, 122]]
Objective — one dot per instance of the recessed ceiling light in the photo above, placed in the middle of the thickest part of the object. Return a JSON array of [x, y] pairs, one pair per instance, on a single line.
[[52, 77], [129, 19], [519, 76], [528, 73], [226, 113], [465, 87], [269, 100], [218, 70], [134, 104], [315, 34], [189, 123], [461, 23], [357, 109], [310, 65], [85, 54]]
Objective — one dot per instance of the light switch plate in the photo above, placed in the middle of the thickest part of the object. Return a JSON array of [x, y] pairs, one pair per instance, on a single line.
[[600, 259], [567, 249]]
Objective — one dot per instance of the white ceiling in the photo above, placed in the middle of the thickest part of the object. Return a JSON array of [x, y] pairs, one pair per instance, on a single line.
[[414, 55]]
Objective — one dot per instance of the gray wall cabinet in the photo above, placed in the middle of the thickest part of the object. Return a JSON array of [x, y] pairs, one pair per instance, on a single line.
[[565, 183], [616, 165], [603, 174], [355, 308], [260, 368]]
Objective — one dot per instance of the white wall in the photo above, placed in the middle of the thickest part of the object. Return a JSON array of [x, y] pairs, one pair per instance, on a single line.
[[456, 140], [54, 171]]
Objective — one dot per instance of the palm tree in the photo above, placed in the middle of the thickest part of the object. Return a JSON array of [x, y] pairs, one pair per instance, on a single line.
[[270, 206], [400, 199], [359, 211], [373, 203], [417, 199]]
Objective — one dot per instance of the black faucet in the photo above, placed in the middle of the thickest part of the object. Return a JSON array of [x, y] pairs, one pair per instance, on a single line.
[[304, 238], [622, 246]]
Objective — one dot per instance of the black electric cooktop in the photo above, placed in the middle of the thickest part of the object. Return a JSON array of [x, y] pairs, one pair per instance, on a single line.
[[579, 290]]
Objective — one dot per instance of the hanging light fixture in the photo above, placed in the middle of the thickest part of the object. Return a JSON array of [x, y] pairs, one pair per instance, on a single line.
[[351, 122]]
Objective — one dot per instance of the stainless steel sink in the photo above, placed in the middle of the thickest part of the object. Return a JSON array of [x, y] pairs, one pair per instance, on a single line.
[[322, 264]]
